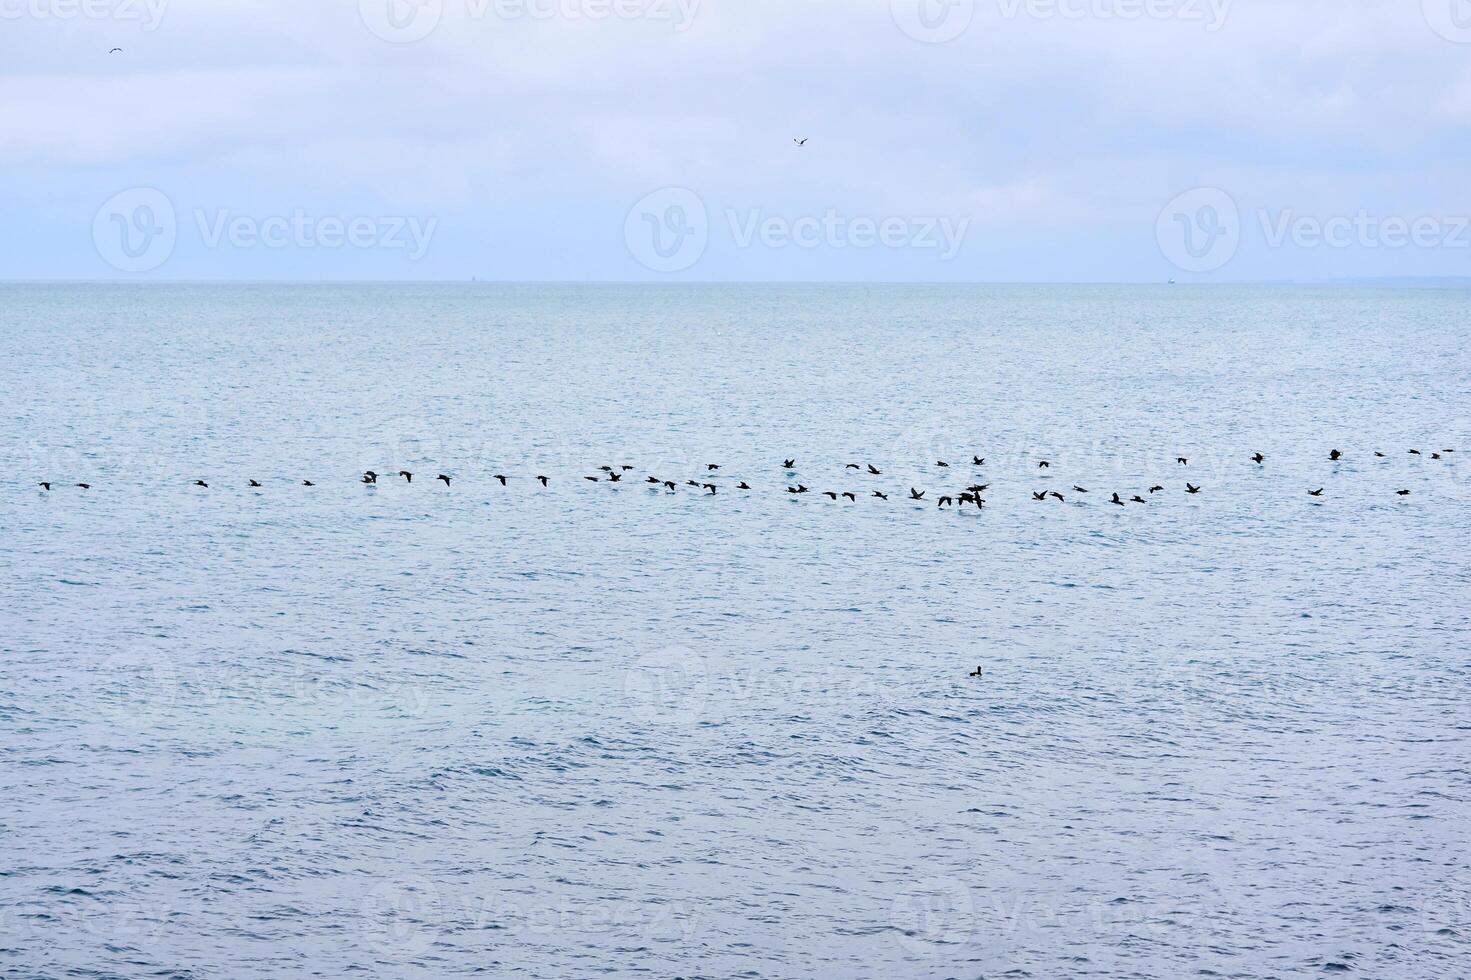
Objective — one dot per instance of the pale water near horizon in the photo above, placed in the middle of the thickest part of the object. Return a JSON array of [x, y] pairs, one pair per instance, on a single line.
[[411, 730]]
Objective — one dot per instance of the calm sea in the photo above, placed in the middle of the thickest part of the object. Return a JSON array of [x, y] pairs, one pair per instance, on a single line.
[[597, 729]]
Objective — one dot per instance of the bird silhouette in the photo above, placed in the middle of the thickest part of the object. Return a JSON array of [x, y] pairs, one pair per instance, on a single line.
[[1077, 489], [941, 463], [543, 480], [829, 493], [1182, 460], [254, 484], [1044, 465], [1259, 459], [709, 486], [1156, 489], [1335, 456], [1191, 488], [499, 478], [45, 486], [977, 461], [801, 142], [593, 479], [916, 494], [1138, 499], [881, 496], [307, 483], [1058, 496], [976, 672], [116, 51], [854, 466], [1316, 493], [873, 472], [712, 467], [1116, 500], [443, 479], [743, 486], [1402, 493], [408, 477], [1039, 496], [789, 464], [670, 485], [1380, 455], [1415, 452], [201, 483], [615, 477], [946, 502]]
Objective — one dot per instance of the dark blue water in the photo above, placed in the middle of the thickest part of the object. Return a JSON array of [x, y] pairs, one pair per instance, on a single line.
[[411, 730]]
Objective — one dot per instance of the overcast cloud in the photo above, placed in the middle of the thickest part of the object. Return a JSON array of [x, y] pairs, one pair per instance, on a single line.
[[994, 140]]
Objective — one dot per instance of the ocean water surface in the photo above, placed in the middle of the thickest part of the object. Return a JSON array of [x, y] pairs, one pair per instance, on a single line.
[[411, 729]]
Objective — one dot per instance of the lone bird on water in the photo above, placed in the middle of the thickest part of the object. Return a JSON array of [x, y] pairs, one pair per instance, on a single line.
[[976, 673]]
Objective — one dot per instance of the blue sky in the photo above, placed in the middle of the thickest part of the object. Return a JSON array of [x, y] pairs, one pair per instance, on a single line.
[[967, 140]]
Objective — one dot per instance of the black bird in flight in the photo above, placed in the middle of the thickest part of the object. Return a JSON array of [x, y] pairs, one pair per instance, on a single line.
[[670, 485], [593, 479], [615, 477], [1156, 489], [1259, 459], [1138, 499], [712, 467], [543, 480], [942, 463], [116, 51], [1380, 455], [852, 498], [1039, 496], [873, 472], [1415, 452], [710, 487], [500, 478], [201, 483], [45, 486], [443, 479], [829, 493], [1044, 465], [1402, 493], [654, 480], [916, 494], [1335, 456], [802, 141], [255, 484], [408, 477], [977, 461], [1191, 488], [881, 496], [1116, 500], [1182, 460], [1316, 493], [743, 486], [947, 502], [789, 464], [307, 483], [983, 487], [854, 466], [1077, 489], [1058, 496]]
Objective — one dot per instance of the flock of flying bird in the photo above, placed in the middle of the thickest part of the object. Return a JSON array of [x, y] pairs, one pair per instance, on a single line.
[[971, 495]]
